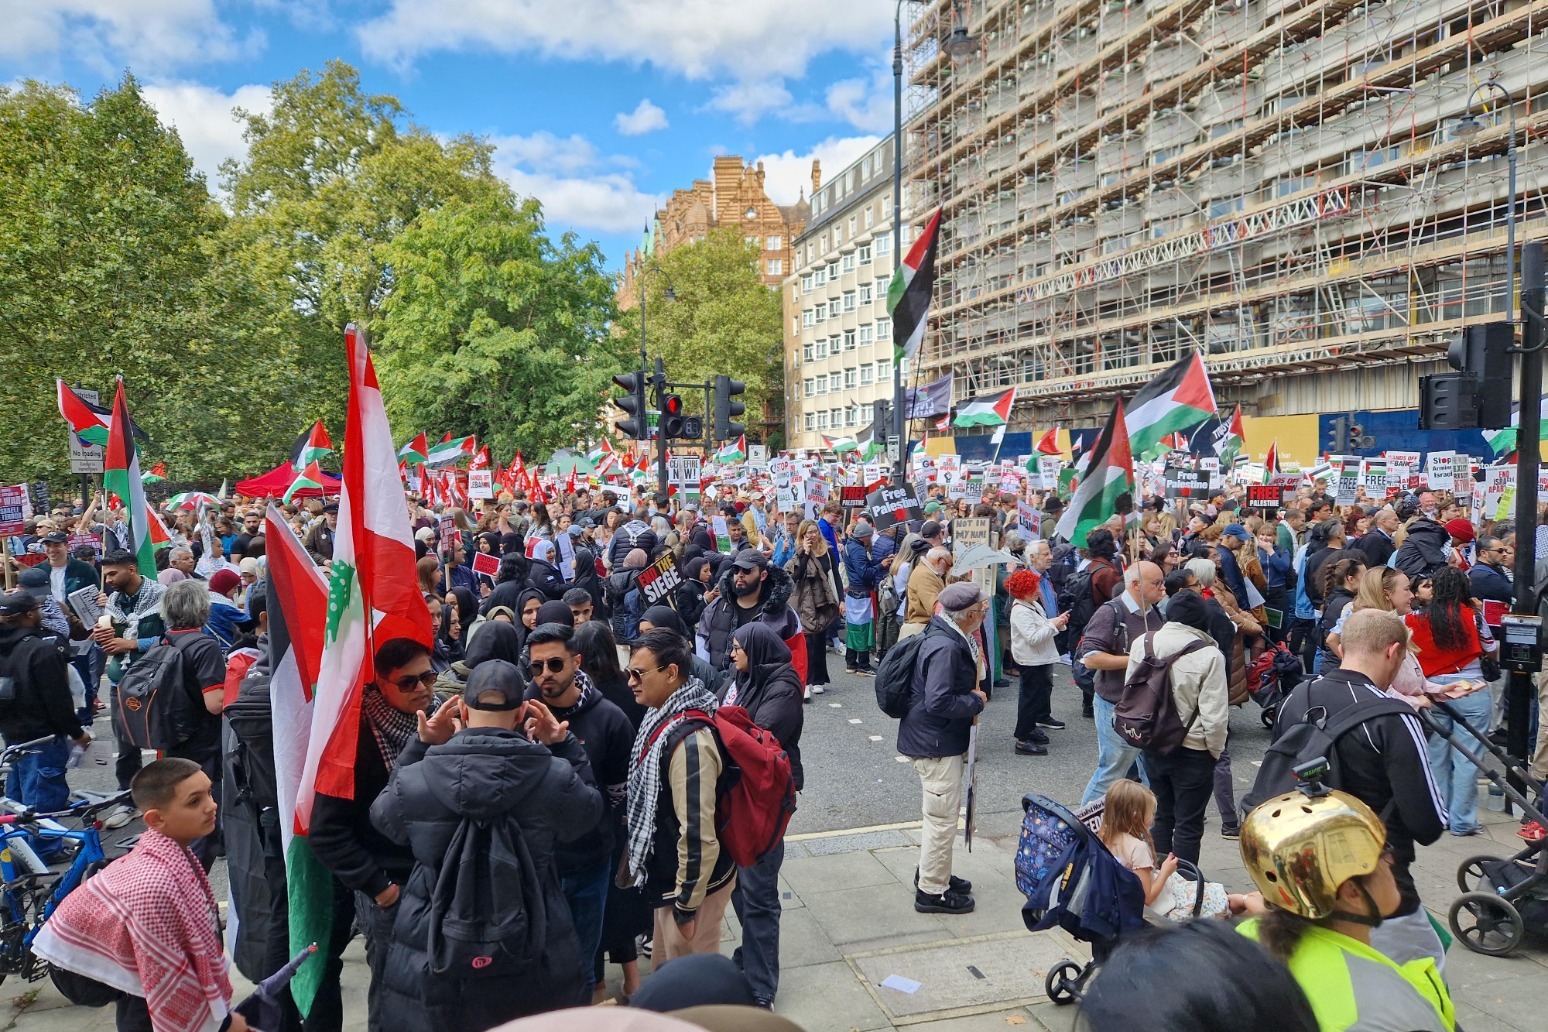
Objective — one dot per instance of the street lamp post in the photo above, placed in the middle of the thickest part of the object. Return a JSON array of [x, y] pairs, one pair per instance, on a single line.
[[959, 46], [1469, 126]]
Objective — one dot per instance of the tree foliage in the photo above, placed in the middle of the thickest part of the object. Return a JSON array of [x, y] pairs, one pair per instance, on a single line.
[[724, 319]]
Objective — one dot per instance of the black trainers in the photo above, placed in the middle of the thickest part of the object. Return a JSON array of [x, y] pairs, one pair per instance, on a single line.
[[1231, 831], [1031, 747], [1052, 724], [1038, 735], [958, 885], [948, 902]]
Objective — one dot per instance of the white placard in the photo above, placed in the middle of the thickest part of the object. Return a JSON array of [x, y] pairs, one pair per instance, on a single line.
[[480, 483]]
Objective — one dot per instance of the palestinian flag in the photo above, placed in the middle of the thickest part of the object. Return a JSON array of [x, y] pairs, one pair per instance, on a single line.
[[156, 527], [1230, 437], [310, 447], [908, 295], [733, 451], [1271, 462], [1106, 480], [986, 409], [415, 451], [1178, 399], [121, 476], [450, 449], [298, 616], [870, 447], [88, 422], [1048, 444], [157, 474], [373, 596], [308, 479], [839, 445]]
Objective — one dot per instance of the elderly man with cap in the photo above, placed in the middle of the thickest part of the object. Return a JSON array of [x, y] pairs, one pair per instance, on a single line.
[[934, 734], [750, 589], [319, 536], [36, 665]]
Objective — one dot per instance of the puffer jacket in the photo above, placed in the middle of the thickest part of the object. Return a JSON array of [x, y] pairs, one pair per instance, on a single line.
[[815, 602], [632, 535], [483, 774], [1198, 684], [1423, 551], [713, 638]]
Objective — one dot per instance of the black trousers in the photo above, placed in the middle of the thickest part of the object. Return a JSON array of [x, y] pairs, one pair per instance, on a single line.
[[1034, 702], [1183, 782], [816, 658]]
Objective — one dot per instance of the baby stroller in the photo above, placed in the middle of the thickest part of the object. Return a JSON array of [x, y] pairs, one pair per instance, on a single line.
[[1502, 898], [1274, 674], [1071, 880]]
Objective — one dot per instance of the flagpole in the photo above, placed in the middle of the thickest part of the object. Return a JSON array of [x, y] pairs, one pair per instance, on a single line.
[[899, 473]]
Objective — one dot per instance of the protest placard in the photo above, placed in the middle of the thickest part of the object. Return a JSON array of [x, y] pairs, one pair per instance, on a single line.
[[658, 580], [891, 505], [15, 509], [480, 483]]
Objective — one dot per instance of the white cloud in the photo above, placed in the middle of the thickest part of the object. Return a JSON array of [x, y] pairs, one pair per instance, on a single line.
[[865, 104], [646, 118], [577, 186], [786, 175], [749, 100], [696, 38], [147, 34], [203, 118]]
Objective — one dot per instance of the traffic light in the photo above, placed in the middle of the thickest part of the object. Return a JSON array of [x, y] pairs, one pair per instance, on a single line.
[[671, 416], [881, 422], [1479, 394], [633, 403], [1338, 436], [726, 389]]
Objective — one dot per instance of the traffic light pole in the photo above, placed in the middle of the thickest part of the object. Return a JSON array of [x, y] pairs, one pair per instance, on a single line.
[[1518, 687], [659, 380]]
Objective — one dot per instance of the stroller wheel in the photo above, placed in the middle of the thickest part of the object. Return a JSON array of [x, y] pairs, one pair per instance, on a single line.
[[1471, 876], [1486, 923], [1267, 716], [1064, 981]]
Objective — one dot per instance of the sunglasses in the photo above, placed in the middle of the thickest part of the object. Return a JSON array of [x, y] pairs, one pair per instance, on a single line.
[[407, 684], [554, 664], [636, 674]]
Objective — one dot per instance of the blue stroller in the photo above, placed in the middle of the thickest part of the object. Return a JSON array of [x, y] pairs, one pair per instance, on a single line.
[[1071, 880]]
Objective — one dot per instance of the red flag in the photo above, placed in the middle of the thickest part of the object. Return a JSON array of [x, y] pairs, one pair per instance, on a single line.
[[569, 484], [481, 460], [536, 492], [1048, 444]]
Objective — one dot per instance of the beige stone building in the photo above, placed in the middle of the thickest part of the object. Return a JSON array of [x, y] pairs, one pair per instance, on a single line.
[[838, 339]]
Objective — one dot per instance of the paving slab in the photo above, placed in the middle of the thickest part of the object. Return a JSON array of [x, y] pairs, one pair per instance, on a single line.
[[814, 875], [828, 998], [961, 977], [873, 915]]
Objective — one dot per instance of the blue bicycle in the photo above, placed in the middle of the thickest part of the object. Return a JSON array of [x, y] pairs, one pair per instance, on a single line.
[[31, 890]]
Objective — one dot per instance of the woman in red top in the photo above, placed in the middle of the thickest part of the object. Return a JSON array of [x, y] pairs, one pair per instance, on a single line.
[[1452, 638]]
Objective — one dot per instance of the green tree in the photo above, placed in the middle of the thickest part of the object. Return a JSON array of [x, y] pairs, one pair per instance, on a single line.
[[724, 320], [493, 329]]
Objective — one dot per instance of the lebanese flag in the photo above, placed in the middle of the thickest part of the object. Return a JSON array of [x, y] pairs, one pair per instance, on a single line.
[[908, 295], [1180, 398], [415, 451], [481, 460], [1107, 477], [298, 618], [1048, 444], [373, 596], [88, 422]]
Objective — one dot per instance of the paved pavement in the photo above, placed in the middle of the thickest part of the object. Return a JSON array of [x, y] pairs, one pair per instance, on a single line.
[[849, 923]]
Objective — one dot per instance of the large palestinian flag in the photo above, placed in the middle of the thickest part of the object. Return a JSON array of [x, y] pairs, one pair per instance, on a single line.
[[908, 295], [986, 409], [1179, 399], [121, 476], [88, 422], [312, 446], [451, 449], [1108, 476]]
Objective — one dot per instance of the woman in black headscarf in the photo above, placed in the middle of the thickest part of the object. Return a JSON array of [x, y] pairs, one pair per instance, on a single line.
[[769, 689], [509, 584], [587, 580]]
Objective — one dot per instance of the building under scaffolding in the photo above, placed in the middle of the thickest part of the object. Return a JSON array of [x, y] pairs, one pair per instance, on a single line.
[[1279, 183]]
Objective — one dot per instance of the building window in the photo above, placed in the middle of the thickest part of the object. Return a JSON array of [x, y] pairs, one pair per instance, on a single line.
[[821, 347], [776, 266], [808, 317], [865, 249], [867, 216], [822, 420], [849, 379], [811, 421], [884, 244], [849, 300], [867, 335], [820, 277], [807, 351], [822, 311], [849, 340], [754, 241], [834, 379], [867, 375], [773, 243], [884, 370], [865, 295], [833, 270], [883, 329], [806, 283], [808, 387], [867, 413], [822, 245], [849, 262], [795, 324]]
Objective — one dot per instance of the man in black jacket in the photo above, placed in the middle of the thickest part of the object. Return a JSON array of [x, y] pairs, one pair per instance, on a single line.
[[35, 703], [585, 863], [1378, 544], [1384, 763], [371, 864], [750, 589], [538, 784], [1490, 575], [934, 734]]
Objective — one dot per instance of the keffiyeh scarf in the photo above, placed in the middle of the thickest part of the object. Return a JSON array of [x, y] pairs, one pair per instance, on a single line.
[[391, 728], [645, 763]]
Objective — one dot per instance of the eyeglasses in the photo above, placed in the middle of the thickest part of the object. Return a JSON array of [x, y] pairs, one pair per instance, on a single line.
[[636, 674], [406, 684], [554, 663]]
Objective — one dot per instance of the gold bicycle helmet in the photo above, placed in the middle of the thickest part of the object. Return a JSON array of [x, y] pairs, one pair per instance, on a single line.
[[1299, 849]]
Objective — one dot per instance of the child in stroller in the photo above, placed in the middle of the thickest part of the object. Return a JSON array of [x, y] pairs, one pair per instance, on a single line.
[[1128, 811]]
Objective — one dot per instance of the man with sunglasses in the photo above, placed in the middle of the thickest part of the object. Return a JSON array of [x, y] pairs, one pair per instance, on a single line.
[[369, 863], [585, 863]]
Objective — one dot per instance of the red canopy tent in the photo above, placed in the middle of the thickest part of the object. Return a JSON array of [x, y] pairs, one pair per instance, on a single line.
[[277, 481]]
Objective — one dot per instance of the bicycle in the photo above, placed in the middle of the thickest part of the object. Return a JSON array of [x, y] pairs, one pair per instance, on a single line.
[[30, 890]]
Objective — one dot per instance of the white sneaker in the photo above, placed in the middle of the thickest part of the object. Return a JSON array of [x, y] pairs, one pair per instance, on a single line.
[[818, 689], [118, 816]]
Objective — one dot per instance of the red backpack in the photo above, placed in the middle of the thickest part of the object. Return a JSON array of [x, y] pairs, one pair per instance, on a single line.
[[756, 797]]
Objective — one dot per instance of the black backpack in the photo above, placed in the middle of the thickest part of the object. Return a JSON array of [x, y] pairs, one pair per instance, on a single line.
[[10, 661], [487, 917], [895, 676], [252, 722], [151, 705], [1146, 714], [1077, 599], [1315, 736]]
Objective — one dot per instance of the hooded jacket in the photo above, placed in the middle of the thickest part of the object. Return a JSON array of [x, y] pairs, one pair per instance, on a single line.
[[770, 691], [1423, 551], [1198, 682], [713, 641], [482, 774], [42, 705]]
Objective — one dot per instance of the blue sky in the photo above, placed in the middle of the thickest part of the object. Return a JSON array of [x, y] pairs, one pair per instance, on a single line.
[[599, 108]]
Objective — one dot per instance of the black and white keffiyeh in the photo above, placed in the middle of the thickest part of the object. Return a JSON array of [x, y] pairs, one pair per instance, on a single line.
[[391, 728], [645, 762]]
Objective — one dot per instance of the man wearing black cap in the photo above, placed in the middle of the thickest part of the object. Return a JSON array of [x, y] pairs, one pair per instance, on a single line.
[[35, 703], [515, 767], [319, 536], [133, 611], [750, 589]]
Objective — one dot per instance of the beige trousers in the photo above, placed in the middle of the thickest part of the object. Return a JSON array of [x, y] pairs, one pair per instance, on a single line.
[[670, 942], [1539, 767], [941, 780], [908, 630]]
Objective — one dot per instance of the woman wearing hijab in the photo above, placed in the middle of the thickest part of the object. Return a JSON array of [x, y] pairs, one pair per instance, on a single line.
[[587, 580], [769, 689]]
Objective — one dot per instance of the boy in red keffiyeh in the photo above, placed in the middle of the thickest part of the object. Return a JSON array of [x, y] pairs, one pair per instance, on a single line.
[[147, 925]]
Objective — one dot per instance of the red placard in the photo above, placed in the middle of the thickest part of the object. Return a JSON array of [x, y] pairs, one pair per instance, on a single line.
[[486, 564]]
